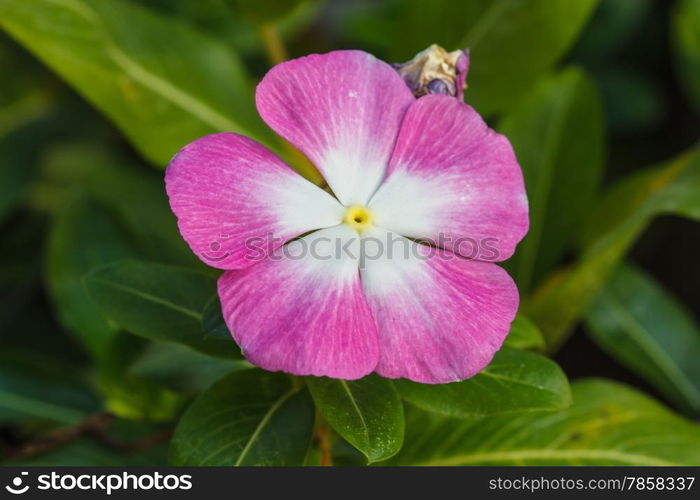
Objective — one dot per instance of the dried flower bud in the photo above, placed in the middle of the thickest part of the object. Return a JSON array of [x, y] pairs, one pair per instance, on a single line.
[[436, 71]]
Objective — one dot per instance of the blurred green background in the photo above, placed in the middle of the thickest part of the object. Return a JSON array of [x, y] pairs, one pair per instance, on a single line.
[[601, 100]]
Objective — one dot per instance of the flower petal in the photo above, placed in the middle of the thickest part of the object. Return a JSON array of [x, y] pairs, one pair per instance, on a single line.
[[304, 315], [440, 317], [454, 181], [343, 110], [236, 201]]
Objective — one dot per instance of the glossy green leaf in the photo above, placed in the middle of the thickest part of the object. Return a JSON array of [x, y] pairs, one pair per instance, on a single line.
[[84, 236], [642, 325], [163, 83], [159, 302], [524, 334], [515, 381], [608, 424], [250, 417], [366, 412], [686, 38], [557, 135], [512, 42], [615, 224]]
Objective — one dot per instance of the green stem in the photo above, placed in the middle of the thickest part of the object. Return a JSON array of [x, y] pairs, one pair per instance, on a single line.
[[272, 41]]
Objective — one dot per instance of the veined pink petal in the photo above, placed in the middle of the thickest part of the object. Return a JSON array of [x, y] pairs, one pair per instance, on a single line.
[[236, 201], [304, 315], [440, 317], [451, 175], [462, 68], [343, 110]]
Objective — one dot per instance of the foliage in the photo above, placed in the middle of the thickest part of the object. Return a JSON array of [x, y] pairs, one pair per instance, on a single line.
[[602, 427], [631, 319]]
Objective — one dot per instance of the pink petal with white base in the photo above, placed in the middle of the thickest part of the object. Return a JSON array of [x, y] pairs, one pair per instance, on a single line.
[[236, 201], [452, 175], [343, 110], [440, 317], [304, 315]]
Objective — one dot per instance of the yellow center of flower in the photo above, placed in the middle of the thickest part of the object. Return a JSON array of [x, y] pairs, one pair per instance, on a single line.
[[358, 217]]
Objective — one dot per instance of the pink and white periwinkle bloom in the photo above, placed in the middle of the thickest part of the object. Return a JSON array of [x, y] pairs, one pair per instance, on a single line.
[[416, 168]]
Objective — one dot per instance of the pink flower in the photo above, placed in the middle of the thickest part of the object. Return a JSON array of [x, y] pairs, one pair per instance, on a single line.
[[400, 168]]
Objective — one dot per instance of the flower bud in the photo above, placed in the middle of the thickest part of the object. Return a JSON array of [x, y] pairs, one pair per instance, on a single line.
[[436, 71]]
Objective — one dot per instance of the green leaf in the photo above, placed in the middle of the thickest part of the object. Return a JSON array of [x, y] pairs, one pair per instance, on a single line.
[[35, 386], [512, 42], [557, 135], [614, 23], [162, 83], [367, 413], [608, 424], [250, 417], [138, 399], [615, 224], [159, 302], [686, 41], [131, 396], [133, 193], [515, 381], [634, 103], [84, 236], [21, 134], [223, 19], [643, 326], [524, 334], [180, 368], [213, 319], [21, 271]]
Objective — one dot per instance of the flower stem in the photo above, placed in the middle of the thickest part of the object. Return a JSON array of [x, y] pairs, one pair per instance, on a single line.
[[274, 46], [277, 53], [324, 444], [301, 164]]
